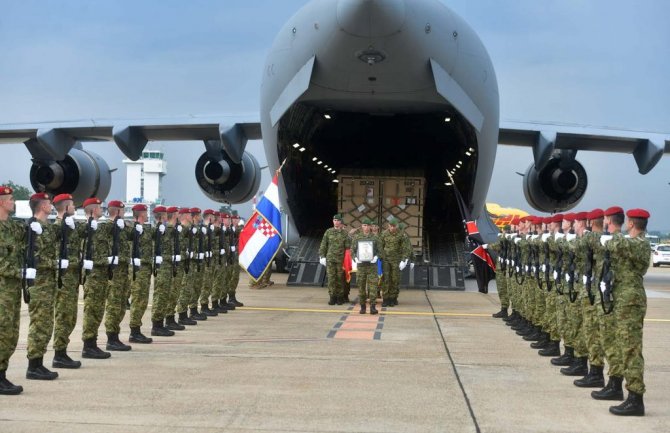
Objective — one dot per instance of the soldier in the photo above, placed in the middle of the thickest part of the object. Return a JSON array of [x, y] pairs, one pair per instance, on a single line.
[[67, 283], [173, 239], [197, 271], [366, 249], [41, 305], [331, 255], [220, 247], [142, 255], [234, 263], [395, 257], [11, 236], [162, 274], [500, 248], [117, 269], [630, 261], [183, 272], [208, 265]]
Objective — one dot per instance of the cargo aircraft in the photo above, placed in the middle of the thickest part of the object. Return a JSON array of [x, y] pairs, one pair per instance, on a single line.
[[354, 85]]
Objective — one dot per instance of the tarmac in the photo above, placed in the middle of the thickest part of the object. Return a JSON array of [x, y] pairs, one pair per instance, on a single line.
[[288, 362]]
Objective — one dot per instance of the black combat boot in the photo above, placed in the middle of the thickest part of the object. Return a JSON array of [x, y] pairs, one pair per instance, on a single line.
[[515, 321], [527, 330], [566, 359], [332, 300], [536, 335], [542, 342], [394, 302], [553, 349], [62, 360], [520, 324], [136, 336], [204, 309], [158, 330], [362, 309], [234, 301], [502, 314], [229, 306], [7, 387], [633, 406], [594, 379], [92, 351], [171, 324], [219, 307], [385, 302], [195, 315], [511, 317], [114, 344], [373, 308], [611, 391], [579, 367], [185, 320], [37, 371], [339, 300]]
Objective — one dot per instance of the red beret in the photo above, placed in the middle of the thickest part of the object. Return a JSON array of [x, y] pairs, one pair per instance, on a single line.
[[638, 213], [515, 221], [60, 197], [539, 220], [5, 190], [581, 216], [569, 217], [557, 218], [116, 203], [160, 209], [547, 220], [140, 207], [613, 210], [40, 196], [208, 212], [595, 214], [184, 210], [172, 209], [195, 210], [92, 200]]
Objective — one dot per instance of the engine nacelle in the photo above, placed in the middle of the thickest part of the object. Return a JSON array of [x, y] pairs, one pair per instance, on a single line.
[[559, 186], [82, 173], [227, 182]]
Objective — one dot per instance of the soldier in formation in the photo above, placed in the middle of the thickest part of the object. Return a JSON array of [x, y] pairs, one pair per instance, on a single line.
[[331, 255], [577, 278]]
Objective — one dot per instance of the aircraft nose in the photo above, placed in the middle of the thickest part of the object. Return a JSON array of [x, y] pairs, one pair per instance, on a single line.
[[371, 18]]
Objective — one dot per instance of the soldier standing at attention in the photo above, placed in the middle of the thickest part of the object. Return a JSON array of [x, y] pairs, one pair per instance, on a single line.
[[161, 275], [366, 275], [173, 240], [235, 228], [396, 256], [141, 281], [117, 268], [11, 235], [67, 283], [500, 249], [331, 255], [208, 265], [41, 305], [186, 251], [197, 263], [630, 261]]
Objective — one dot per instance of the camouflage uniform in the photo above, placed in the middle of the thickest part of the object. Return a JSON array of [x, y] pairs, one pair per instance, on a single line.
[[163, 280], [67, 296], [394, 247], [186, 270], [220, 260], [197, 273], [139, 287], [96, 287], [119, 285], [209, 267], [590, 326], [176, 239], [366, 275], [499, 248], [12, 237], [334, 243], [233, 269]]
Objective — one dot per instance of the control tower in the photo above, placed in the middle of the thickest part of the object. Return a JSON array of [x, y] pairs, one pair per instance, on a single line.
[[143, 178]]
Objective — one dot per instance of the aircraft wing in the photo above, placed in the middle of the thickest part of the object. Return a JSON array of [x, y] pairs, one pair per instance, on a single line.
[[646, 147], [53, 140]]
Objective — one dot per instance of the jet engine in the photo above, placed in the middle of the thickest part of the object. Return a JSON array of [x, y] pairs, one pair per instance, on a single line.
[[557, 187], [223, 180], [82, 173]]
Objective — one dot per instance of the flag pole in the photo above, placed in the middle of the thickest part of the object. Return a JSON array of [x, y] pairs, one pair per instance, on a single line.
[[281, 166]]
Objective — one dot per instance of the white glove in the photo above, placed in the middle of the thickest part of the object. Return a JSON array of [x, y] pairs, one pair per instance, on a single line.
[[159, 260], [94, 225], [558, 236], [201, 256], [603, 286], [402, 265], [88, 264], [203, 230], [29, 273], [113, 260], [161, 228], [120, 223], [517, 240], [36, 227], [585, 279], [322, 260], [533, 269], [137, 262], [513, 263], [374, 259], [211, 227], [179, 228], [533, 237], [194, 230], [571, 237], [139, 229], [567, 278], [190, 254], [64, 263], [232, 248], [176, 258], [485, 246], [208, 254], [545, 236], [500, 259], [69, 221], [222, 251], [507, 261], [518, 270], [411, 265], [604, 239], [527, 268]]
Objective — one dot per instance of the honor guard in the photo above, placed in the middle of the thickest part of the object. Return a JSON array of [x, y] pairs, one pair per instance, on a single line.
[[141, 258], [395, 252], [173, 241], [366, 250], [197, 263], [187, 241], [236, 225], [162, 273], [331, 255]]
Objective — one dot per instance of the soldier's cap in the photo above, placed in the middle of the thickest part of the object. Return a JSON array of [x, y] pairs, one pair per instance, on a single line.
[[185, 210], [367, 221], [537, 220], [139, 208], [6, 190], [235, 214], [172, 209], [208, 212], [40, 196], [596, 214], [515, 221], [557, 218], [393, 221], [614, 210], [116, 203], [337, 216], [160, 209], [62, 197], [91, 201], [225, 215], [638, 213], [569, 217], [195, 210], [547, 220], [581, 216]]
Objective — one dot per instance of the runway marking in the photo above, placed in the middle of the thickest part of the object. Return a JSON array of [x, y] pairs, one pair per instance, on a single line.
[[352, 326]]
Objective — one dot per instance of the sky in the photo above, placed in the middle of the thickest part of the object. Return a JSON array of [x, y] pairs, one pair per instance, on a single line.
[[587, 62]]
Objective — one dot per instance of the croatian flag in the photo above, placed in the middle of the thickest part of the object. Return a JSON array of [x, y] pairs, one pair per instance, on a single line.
[[260, 239]]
